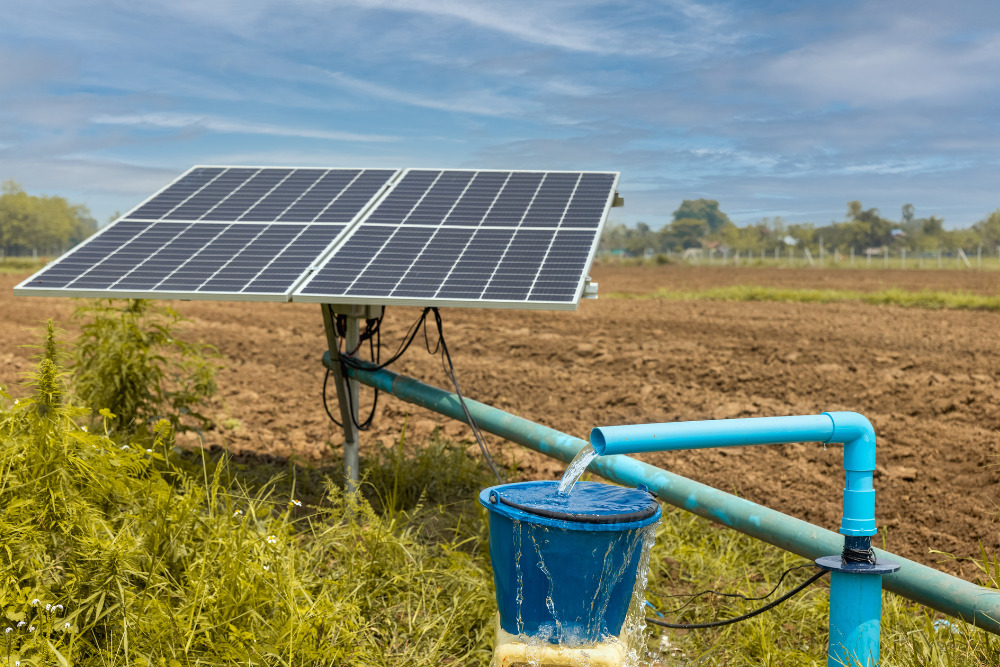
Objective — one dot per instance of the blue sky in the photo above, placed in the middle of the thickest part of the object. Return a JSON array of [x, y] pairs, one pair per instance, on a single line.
[[772, 108]]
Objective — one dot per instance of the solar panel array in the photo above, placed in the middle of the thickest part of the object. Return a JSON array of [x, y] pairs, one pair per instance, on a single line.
[[462, 237], [218, 232], [448, 237]]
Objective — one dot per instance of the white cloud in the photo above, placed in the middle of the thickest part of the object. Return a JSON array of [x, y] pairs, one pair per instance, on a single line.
[[903, 62], [484, 103], [213, 124], [616, 29]]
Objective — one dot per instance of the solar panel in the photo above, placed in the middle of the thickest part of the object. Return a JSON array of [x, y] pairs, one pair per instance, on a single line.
[[235, 233], [516, 239]]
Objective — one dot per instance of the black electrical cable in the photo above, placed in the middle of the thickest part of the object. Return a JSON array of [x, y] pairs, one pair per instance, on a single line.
[[851, 555], [373, 330], [326, 379], [715, 624], [371, 333], [450, 371], [695, 596]]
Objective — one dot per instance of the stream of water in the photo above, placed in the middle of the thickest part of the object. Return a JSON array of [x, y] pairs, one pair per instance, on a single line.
[[575, 469]]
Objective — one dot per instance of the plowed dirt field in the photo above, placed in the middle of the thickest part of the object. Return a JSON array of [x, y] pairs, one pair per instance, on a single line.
[[928, 380]]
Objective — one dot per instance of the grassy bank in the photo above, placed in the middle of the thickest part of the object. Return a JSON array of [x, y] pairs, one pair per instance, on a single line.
[[929, 299]]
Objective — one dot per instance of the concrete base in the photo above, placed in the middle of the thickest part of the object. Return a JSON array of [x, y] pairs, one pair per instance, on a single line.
[[509, 651]]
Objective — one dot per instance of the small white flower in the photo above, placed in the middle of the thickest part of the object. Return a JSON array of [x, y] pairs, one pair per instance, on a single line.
[[124, 446], [238, 513], [8, 630], [16, 401], [266, 567], [31, 628], [66, 626], [271, 539], [84, 427], [48, 606], [21, 624], [297, 503], [58, 608], [34, 603], [149, 451]]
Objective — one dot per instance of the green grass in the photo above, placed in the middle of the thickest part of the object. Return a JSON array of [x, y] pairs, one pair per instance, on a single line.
[[929, 299], [20, 265], [692, 555]]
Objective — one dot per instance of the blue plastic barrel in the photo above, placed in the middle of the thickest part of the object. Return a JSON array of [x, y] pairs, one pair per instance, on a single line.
[[565, 566]]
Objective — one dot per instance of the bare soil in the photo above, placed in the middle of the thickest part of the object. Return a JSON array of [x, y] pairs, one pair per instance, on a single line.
[[928, 380]]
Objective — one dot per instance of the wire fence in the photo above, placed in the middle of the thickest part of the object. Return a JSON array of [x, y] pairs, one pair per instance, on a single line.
[[869, 258]]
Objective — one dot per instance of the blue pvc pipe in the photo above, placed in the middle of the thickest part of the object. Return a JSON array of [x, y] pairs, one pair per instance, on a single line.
[[914, 581], [855, 626], [633, 439], [850, 428]]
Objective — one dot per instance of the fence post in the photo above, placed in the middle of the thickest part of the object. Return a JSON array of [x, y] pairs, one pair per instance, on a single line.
[[979, 257], [852, 256], [940, 260], [904, 257]]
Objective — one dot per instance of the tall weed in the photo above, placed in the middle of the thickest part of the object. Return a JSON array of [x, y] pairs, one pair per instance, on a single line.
[[129, 360]]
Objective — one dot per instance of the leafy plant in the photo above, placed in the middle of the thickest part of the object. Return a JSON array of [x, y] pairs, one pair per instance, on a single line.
[[116, 554], [130, 361]]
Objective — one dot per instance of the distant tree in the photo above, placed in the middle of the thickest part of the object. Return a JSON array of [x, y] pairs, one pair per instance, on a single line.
[[702, 209], [866, 228], [907, 216], [45, 224], [989, 230], [684, 233]]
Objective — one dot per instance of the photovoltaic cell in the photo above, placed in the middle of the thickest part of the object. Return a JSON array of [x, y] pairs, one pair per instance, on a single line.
[[464, 237], [218, 232]]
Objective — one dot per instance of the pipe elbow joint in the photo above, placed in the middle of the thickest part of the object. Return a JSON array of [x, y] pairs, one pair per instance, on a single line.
[[858, 436]]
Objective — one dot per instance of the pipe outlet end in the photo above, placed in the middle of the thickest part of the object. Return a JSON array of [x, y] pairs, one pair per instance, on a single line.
[[597, 441]]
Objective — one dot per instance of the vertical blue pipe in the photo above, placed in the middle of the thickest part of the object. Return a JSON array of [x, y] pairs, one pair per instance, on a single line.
[[855, 619]]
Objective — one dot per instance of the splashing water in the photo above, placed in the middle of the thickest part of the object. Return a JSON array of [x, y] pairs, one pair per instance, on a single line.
[[634, 629], [575, 469]]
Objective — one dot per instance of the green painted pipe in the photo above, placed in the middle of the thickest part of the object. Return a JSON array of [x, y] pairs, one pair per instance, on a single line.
[[937, 590]]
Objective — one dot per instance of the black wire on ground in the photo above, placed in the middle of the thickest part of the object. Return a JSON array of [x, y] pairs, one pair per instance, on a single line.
[[715, 624], [695, 596]]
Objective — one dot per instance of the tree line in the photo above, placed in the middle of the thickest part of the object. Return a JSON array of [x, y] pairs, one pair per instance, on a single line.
[[45, 225], [699, 223]]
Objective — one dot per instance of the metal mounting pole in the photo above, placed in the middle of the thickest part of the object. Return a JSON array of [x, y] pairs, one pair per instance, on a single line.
[[345, 386]]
